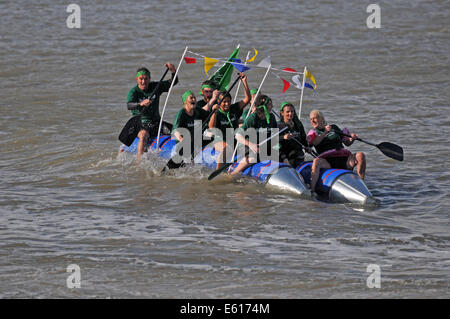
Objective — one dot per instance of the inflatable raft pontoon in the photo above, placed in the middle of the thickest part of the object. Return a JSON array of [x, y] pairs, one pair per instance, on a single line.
[[334, 185]]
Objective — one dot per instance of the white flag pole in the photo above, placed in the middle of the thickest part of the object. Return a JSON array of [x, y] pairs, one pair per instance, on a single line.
[[253, 102], [301, 95], [167, 98], [259, 88], [239, 84]]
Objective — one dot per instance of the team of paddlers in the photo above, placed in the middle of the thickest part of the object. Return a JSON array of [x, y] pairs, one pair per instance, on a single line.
[[216, 113]]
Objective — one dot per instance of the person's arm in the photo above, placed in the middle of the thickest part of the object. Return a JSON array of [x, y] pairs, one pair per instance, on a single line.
[[176, 125], [248, 96], [178, 136], [241, 139], [133, 103], [348, 140], [174, 80], [213, 120], [288, 135], [173, 70], [137, 106], [132, 106], [319, 138], [212, 102]]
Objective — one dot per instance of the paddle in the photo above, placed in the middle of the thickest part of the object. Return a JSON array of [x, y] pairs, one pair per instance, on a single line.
[[313, 152], [389, 149], [132, 127], [171, 164], [247, 152]]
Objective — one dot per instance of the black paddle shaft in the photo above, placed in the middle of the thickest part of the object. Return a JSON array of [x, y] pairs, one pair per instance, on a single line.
[[313, 153], [156, 89]]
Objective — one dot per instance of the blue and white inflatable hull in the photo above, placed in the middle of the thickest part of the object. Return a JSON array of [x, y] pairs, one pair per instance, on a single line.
[[338, 185], [335, 185]]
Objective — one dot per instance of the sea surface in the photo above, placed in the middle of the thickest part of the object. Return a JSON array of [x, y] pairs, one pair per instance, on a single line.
[[68, 197]]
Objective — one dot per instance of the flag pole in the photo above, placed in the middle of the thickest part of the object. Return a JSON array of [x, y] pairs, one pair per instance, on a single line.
[[167, 98], [239, 84], [301, 95], [259, 89], [253, 103]]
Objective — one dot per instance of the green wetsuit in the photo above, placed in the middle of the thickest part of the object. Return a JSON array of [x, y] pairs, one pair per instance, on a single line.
[[182, 119], [150, 113], [290, 149], [230, 120], [200, 103], [254, 122]]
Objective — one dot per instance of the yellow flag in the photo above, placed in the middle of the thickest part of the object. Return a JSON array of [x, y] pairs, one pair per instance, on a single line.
[[209, 63], [253, 58], [311, 77]]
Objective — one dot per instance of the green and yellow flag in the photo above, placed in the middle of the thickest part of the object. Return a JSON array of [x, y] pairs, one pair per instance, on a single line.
[[222, 76]]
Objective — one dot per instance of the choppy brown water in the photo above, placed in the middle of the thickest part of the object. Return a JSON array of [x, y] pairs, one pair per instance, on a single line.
[[66, 196]]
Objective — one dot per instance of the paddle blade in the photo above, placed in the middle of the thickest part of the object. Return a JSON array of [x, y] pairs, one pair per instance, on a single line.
[[130, 130], [391, 150], [171, 164], [219, 171]]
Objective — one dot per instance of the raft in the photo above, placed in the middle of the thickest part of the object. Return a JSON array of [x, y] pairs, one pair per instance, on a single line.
[[334, 185]]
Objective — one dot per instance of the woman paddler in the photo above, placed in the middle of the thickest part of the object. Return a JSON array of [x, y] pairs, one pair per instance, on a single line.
[[262, 119], [252, 110], [291, 151], [226, 120], [328, 142], [188, 119]]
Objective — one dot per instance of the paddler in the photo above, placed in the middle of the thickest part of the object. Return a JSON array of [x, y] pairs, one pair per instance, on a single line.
[[187, 116], [187, 120], [261, 119], [209, 93], [329, 143], [226, 121], [292, 140], [138, 101], [253, 93]]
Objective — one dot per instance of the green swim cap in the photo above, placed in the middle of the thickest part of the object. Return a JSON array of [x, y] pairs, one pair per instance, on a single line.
[[186, 95], [283, 104], [266, 112], [206, 86], [142, 72]]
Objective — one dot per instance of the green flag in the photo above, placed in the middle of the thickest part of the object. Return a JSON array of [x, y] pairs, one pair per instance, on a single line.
[[222, 76]]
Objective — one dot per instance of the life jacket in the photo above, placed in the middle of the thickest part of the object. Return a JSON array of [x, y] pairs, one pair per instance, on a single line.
[[331, 145]]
